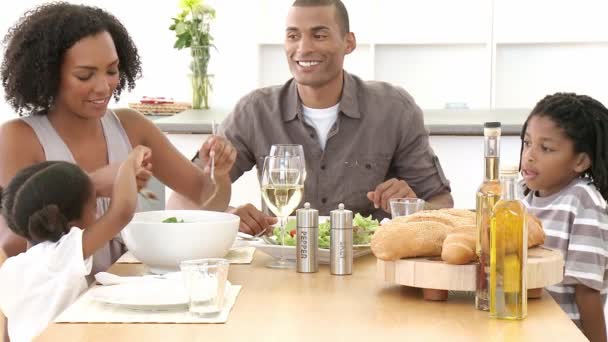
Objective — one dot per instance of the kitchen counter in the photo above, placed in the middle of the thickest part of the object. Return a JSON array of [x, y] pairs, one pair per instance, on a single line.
[[459, 122], [282, 305]]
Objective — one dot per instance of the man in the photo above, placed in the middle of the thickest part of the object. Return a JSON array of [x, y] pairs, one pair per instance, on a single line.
[[364, 142]]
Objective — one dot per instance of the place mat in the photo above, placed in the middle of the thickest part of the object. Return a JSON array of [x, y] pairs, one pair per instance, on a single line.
[[88, 310], [238, 255]]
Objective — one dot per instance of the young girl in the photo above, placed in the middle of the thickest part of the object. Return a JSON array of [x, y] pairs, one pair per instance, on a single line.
[[564, 164], [53, 206]]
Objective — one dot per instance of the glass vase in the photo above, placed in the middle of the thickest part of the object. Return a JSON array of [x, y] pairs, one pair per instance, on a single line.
[[201, 81]]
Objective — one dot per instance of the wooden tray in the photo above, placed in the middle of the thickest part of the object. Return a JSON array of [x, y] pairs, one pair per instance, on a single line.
[[161, 108], [545, 267]]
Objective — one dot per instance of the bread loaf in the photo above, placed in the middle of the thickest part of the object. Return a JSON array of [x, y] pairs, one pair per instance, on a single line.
[[449, 233], [400, 239], [536, 234], [442, 216], [461, 213], [459, 248]]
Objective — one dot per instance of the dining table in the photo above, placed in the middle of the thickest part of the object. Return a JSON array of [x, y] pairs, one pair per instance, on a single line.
[[283, 305]]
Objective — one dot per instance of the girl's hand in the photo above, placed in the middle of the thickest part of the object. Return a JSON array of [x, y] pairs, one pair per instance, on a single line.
[[123, 204], [223, 152], [141, 158], [103, 179]]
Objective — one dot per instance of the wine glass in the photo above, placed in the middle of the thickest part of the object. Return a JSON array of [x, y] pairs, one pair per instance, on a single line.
[[282, 186], [289, 150], [286, 150]]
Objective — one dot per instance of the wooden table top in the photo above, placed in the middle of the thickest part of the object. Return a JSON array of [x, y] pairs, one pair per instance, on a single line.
[[282, 305]]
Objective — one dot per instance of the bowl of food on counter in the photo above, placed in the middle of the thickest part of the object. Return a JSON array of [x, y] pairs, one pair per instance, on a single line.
[[162, 239]]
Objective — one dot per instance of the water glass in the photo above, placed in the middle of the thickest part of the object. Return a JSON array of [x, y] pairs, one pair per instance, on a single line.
[[405, 206], [205, 281]]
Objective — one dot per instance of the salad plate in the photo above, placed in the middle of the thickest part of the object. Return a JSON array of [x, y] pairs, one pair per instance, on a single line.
[[290, 252], [363, 228]]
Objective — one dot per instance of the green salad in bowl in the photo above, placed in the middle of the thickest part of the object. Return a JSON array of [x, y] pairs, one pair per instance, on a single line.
[[363, 229], [173, 219]]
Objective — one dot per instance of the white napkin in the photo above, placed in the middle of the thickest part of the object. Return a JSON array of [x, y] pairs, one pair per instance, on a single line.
[[105, 278], [240, 255]]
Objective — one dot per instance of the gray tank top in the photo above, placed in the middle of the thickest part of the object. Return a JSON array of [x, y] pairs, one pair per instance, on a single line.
[[118, 146]]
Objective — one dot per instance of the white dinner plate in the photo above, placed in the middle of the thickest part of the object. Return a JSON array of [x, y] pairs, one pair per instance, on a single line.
[[145, 294], [290, 251]]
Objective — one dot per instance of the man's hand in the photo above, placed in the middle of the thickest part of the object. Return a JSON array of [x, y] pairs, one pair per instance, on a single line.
[[223, 152], [253, 221], [392, 188]]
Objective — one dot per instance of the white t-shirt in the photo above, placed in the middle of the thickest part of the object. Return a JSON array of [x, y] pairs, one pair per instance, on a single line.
[[321, 120], [36, 286]]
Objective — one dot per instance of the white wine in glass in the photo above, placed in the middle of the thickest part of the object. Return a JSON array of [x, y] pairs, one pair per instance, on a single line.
[[282, 200], [282, 186]]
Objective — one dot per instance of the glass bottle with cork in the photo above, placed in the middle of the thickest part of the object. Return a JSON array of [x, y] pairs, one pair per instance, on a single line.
[[508, 252], [487, 196]]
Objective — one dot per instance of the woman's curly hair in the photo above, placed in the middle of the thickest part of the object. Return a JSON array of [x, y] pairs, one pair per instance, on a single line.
[[37, 43]]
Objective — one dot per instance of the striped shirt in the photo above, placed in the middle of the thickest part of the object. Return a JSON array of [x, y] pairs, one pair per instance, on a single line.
[[575, 221]]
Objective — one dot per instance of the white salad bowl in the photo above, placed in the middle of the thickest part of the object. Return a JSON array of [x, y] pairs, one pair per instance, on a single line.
[[162, 246]]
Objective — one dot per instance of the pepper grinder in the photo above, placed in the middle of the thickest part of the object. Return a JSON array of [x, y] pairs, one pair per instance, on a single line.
[[307, 239], [341, 241]]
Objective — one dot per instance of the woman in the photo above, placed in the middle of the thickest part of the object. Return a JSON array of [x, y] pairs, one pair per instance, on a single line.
[[62, 65]]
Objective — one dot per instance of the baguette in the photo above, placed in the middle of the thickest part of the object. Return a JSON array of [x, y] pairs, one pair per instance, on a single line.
[[425, 234], [441, 216], [536, 234], [459, 248], [399, 239]]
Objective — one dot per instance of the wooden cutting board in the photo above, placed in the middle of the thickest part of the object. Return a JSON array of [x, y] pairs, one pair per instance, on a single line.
[[545, 267]]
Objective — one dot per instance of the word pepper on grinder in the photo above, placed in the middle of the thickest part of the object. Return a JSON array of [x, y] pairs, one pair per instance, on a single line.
[[307, 239]]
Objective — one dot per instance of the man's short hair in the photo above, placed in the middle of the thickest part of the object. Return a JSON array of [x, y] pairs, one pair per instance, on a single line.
[[341, 12]]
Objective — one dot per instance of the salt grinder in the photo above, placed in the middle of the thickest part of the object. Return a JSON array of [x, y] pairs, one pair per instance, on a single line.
[[341, 241], [307, 239]]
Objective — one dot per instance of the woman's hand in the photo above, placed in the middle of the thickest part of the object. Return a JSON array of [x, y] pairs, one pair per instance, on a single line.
[[223, 152]]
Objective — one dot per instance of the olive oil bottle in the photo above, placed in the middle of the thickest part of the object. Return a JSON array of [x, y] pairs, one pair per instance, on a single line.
[[487, 196], [508, 253]]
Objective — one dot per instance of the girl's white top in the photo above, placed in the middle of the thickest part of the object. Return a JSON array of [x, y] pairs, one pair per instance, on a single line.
[[36, 286]]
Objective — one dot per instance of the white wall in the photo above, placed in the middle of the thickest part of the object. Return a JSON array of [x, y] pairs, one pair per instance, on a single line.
[[165, 70], [441, 51]]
